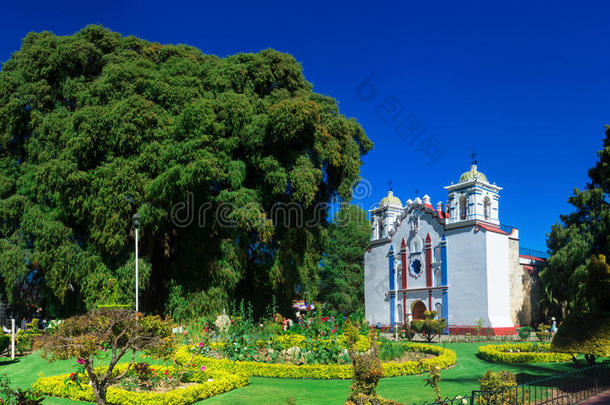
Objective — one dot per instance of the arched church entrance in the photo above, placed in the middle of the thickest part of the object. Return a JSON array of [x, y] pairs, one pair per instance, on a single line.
[[417, 310]]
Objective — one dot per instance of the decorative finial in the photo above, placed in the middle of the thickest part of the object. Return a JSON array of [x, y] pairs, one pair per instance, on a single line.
[[416, 192], [390, 184], [474, 158]]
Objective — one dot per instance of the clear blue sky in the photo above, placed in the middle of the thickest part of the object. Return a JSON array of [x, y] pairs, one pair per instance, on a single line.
[[526, 86]]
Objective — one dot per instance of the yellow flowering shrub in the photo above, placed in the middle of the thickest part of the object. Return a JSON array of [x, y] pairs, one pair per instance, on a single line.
[[444, 358], [222, 381], [521, 353]]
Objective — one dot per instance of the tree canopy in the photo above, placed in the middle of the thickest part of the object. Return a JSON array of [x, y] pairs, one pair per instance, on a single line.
[[342, 283], [577, 277], [223, 158]]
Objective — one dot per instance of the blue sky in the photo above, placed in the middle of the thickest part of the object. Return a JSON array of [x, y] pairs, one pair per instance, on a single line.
[[525, 85]]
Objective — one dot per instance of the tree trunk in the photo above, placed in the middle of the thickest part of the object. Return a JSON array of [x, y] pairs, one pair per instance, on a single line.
[[100, 394], [575, 360]]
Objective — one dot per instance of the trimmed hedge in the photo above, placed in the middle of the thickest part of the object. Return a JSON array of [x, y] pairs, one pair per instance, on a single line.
[[222, 381], [521, 353], [444, 358]]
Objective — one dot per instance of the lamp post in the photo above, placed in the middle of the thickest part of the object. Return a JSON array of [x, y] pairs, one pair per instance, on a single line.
[[136, 225]]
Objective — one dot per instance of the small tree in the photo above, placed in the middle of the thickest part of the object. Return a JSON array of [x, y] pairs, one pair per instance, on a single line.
[[85, 337], [478, 326], [367, 370], [429, 327], [433, 380], [584, 333]]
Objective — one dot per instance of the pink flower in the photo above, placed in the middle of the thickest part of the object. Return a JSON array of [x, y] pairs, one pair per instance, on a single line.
[[202, 368], [200, 344], [80, 361]]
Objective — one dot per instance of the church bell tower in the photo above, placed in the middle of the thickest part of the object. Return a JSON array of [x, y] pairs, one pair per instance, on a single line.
[[473, 198]]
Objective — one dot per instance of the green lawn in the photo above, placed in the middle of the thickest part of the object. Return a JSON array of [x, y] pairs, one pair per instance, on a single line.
[[460, 379]]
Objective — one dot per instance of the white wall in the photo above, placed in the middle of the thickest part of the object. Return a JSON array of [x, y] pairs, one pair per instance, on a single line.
[[467, 276], [498, 285], [376, 284]]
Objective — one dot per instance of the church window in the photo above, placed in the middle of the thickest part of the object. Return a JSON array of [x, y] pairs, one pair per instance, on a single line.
[[439, 310], [437, 254], [437, 278], [463, 207], [416, 267], [487, 207], [415, 223]]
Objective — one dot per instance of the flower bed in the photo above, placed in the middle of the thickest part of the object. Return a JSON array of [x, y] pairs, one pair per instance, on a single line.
[[444, 358], [521, 353], [216, 382]]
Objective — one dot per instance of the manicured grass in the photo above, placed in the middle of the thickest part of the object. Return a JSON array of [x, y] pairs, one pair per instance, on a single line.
[[460, 379]]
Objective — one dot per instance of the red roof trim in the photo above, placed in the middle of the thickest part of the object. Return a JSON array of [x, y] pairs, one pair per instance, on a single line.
[[491, 228]]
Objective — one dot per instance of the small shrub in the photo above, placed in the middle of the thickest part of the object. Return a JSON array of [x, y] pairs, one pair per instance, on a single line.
[[492, 381], [433, 380], [5, 342], [17, 396], [524, 332], [391, 350], [496, 386], [543, 333]]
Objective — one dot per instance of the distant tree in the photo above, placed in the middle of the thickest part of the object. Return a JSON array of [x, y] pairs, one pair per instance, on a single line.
[[576, 277], [119, 330], [342, 284], [224, 158]]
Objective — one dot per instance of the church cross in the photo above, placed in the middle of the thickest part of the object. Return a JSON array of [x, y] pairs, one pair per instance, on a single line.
[[474, 158], [390, 184]]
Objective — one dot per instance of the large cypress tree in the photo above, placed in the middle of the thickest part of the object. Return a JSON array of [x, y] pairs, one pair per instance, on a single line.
[[96, 126], [577, 277]]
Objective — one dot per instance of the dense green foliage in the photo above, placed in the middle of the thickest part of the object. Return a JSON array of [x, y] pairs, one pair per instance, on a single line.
[[96, 126], [429, 327], [577, 276], [584, 333], [343, 262]]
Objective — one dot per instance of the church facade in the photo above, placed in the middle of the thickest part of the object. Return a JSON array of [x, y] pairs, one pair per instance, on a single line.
[[454, 258]]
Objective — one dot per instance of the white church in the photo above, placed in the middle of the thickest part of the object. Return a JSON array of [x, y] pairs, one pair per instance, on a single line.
[[455, 258]]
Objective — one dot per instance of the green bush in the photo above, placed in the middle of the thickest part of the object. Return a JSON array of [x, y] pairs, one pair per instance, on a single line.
[[521, 353], [584, 333], [429, 327], [524, 332], [5, 342], [543, 333], [492, 381], [497, 388]]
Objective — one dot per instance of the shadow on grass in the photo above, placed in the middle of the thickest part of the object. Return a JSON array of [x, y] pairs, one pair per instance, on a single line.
[[7, 362]]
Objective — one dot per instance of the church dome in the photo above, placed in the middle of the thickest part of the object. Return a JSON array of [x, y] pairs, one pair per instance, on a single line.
[[473, 174], [390, 199]]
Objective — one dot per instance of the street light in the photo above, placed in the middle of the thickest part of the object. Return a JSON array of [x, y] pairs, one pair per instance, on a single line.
[[136, 224]]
